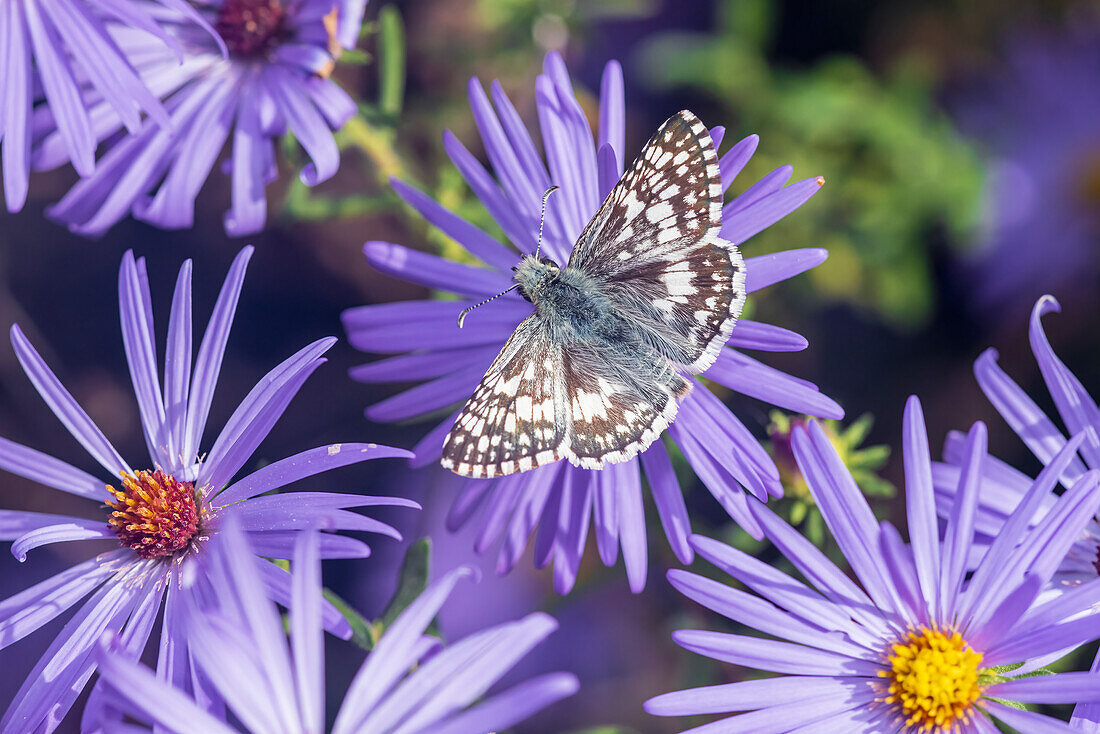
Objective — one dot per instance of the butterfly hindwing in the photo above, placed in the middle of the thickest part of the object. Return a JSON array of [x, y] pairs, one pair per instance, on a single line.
[[655, 243], [619, 403], [517, 418]]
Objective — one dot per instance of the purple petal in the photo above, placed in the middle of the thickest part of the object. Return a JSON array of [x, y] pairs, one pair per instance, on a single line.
[[211, 351], [306, 635], [512, 706], [669, 499], [65, 407], [749, 695], [749, 377], [765, 337], [613, 113], [769, 210], [73, 529], [920, 502], [177, 366], [771, 655], [764, 270], [960, 523], [51, 472], [433, 271], [1027, 721], [734, 160], [16, 102], [306, 464], [1074, 687]]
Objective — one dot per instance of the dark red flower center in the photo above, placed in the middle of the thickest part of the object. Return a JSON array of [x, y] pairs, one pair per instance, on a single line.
[[154, 513], [251, 28]]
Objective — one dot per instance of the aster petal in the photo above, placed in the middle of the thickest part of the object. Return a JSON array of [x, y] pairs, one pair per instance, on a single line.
[[1072, 687], [253, 156], [800, 716], [749, 695], [1077, 408], [988, 582], [767, 211], [15, 105], [716, 478], [55, 73], [73, 529], [512, 706], [1086, 716], [489, 193], [769, 184], [68, 662], [845, 510], [397, 650], [734, 160], [613, 114], [749, 609], [920, 502], [1064, 606], [31, 608], [750, 462], [280, 544], [960, 523], [580, 134], [502, 156], [135, 315], [786, 592], [771, 655], [323, 510], [408, 367], [762, 271], [605, 511], [1020, 412], [211, 352], [1028, 721], [899, 563], [669, 499], [506, 496], [765, 337], [173, 205], [750, 377], [632, 530], [286, 471], [177, 367], [309, 127], [45, 469], [573, 518], [151, 699], [277, 584], [428, 397], [306, 635], [433, 271], [65, 407], [456, 676], [1064, 636], [256, 415], [475, 240], [526, 516]]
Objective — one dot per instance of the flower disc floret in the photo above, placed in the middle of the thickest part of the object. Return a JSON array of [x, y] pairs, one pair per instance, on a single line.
[[933, 676], [251, 27], [154, 513]]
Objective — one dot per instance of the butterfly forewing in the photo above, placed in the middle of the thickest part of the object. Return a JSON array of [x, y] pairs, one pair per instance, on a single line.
[[517, 418], [655, 243]]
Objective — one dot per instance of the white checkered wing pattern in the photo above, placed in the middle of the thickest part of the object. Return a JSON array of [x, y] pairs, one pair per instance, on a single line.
[[655, 243], [517, 419]]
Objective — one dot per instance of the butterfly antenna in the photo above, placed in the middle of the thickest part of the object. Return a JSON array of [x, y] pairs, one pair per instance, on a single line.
[[462, 314], [542, 217]]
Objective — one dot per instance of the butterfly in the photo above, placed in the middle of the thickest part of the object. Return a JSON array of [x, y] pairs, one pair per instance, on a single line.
[[651, 293]]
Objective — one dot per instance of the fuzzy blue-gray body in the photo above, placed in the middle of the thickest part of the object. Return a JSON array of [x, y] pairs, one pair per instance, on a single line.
[[650, 294]]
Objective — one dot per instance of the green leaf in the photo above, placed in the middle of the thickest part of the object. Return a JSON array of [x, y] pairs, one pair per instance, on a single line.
[[412, 582], [391, 61], [363, 633]]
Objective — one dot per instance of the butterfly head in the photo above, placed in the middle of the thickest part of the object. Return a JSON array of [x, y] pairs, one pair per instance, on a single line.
[[533, 275]]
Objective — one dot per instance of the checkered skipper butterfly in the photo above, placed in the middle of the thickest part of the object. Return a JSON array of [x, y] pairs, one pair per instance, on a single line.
[[650, 292]]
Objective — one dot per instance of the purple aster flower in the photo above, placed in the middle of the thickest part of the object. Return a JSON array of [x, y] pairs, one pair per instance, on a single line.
[[915, 642], [275, 78], [164, 510], [54, 53], [409, 683], [1005, 487], [1036, 118], [561, 499]]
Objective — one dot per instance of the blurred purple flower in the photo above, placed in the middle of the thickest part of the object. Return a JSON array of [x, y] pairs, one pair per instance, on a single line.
[[560, 499], [50, 50], [1037, 120], [275, 79], [163, 516], [918, 644], [270, 687], [1069, 461]]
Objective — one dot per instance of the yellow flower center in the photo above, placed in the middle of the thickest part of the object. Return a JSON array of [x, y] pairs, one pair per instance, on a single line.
[[154, 513], [933, 677]]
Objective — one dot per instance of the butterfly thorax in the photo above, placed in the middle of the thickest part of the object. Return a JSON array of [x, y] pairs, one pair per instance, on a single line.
[[534, 276]]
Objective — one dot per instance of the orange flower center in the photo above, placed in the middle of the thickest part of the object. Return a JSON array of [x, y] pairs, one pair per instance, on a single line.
[[154, 513]]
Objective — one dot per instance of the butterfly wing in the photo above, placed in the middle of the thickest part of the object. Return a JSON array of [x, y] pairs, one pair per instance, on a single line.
[[517, 419], [655, 244], [619, 402]]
